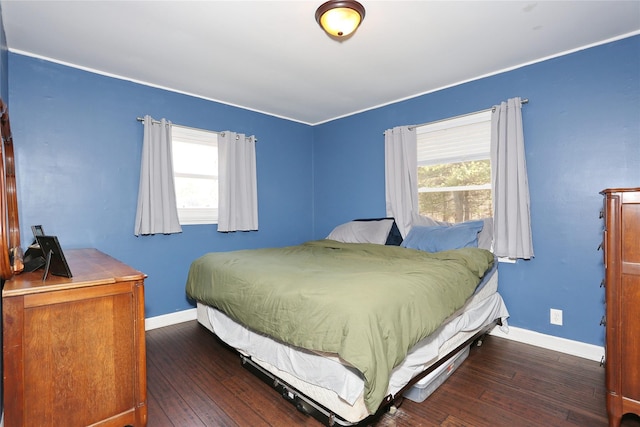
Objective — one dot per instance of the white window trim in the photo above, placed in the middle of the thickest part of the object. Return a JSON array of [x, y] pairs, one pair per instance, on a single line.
[[457, 188], [196, 216]]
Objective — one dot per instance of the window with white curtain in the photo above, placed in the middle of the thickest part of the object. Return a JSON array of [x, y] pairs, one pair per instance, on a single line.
[[195, 172], [454, 168]]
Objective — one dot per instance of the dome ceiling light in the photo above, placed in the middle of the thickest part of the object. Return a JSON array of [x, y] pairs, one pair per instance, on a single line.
[[340, 18]]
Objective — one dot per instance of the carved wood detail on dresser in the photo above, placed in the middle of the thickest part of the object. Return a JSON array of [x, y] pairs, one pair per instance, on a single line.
[[622, 295], [74, 348]]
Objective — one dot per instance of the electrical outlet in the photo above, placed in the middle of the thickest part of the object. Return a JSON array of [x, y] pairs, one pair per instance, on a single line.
[[555, 316]]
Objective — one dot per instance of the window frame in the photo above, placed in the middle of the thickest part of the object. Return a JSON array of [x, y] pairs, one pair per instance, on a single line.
[[184, 134], [449, 154]]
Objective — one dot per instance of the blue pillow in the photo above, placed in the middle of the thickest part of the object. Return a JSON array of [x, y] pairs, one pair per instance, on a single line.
[[443, 238]]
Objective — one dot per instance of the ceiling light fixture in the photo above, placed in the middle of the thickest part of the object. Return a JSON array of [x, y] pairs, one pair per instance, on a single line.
[[340, 18]]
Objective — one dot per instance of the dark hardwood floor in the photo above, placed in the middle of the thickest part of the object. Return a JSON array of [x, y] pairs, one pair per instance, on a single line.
[[194, 380]]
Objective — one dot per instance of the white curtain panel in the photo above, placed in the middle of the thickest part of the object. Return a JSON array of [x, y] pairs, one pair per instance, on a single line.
[[157, 212], [401, 176], [511, 214], [237, 183]]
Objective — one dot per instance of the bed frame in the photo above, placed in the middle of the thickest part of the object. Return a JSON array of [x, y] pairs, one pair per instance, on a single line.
[[329, 415], [390, 404]]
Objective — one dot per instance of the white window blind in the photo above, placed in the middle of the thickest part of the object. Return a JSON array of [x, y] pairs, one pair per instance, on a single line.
[[455, 140]]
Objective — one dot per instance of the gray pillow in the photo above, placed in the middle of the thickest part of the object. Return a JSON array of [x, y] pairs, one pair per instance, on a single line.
[[362, 232]]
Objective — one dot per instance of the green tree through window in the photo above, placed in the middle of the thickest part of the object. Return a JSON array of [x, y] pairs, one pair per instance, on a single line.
[[455, 192]]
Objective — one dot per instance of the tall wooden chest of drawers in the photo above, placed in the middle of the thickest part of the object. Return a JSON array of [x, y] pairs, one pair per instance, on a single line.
[[74, 348], [622, 294]]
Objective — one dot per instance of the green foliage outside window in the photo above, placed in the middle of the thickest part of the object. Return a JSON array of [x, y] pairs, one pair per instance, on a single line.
[[451, 204]]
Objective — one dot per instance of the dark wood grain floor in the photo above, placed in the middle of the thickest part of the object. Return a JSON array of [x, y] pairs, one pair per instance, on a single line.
[[194, 380]]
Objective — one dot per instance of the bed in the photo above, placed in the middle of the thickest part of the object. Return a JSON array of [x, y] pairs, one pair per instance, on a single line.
[[344, 326]]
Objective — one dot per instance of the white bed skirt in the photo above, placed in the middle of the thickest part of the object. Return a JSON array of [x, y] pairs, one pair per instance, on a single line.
[[328, 380]]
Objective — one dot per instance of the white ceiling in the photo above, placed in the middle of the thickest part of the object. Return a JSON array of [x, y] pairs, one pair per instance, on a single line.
[[272, 57]]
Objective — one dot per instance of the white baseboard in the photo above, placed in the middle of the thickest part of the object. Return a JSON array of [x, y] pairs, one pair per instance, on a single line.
[[169, 319], [563, 345]]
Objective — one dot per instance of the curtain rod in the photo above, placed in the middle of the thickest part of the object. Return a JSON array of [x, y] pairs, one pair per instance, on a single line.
[[141, 119], [522, 101]]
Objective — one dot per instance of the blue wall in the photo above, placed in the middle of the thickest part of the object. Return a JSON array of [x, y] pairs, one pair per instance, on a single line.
[[582, 135], [78, 147], [78, 153]]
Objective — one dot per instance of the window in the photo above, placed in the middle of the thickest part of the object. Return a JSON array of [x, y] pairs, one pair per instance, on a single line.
[[454, 168], [195, 173]]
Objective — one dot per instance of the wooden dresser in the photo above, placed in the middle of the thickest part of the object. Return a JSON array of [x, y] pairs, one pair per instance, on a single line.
[[74, 349], [622, 294]]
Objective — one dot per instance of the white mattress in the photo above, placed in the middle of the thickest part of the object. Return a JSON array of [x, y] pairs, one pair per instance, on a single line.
[[329, 380]]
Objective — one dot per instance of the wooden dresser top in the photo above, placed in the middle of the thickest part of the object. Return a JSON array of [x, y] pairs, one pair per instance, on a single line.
[[89, 267]]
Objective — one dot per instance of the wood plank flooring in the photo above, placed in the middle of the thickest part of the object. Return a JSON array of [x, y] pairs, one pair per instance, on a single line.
[[194, 380]]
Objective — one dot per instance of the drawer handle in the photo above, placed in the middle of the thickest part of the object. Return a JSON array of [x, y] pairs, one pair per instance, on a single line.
[[603, 283], [601, 213], [602, 361], [603, 321]]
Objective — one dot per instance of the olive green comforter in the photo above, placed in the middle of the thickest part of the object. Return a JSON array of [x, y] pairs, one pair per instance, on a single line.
[[368, 303]]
